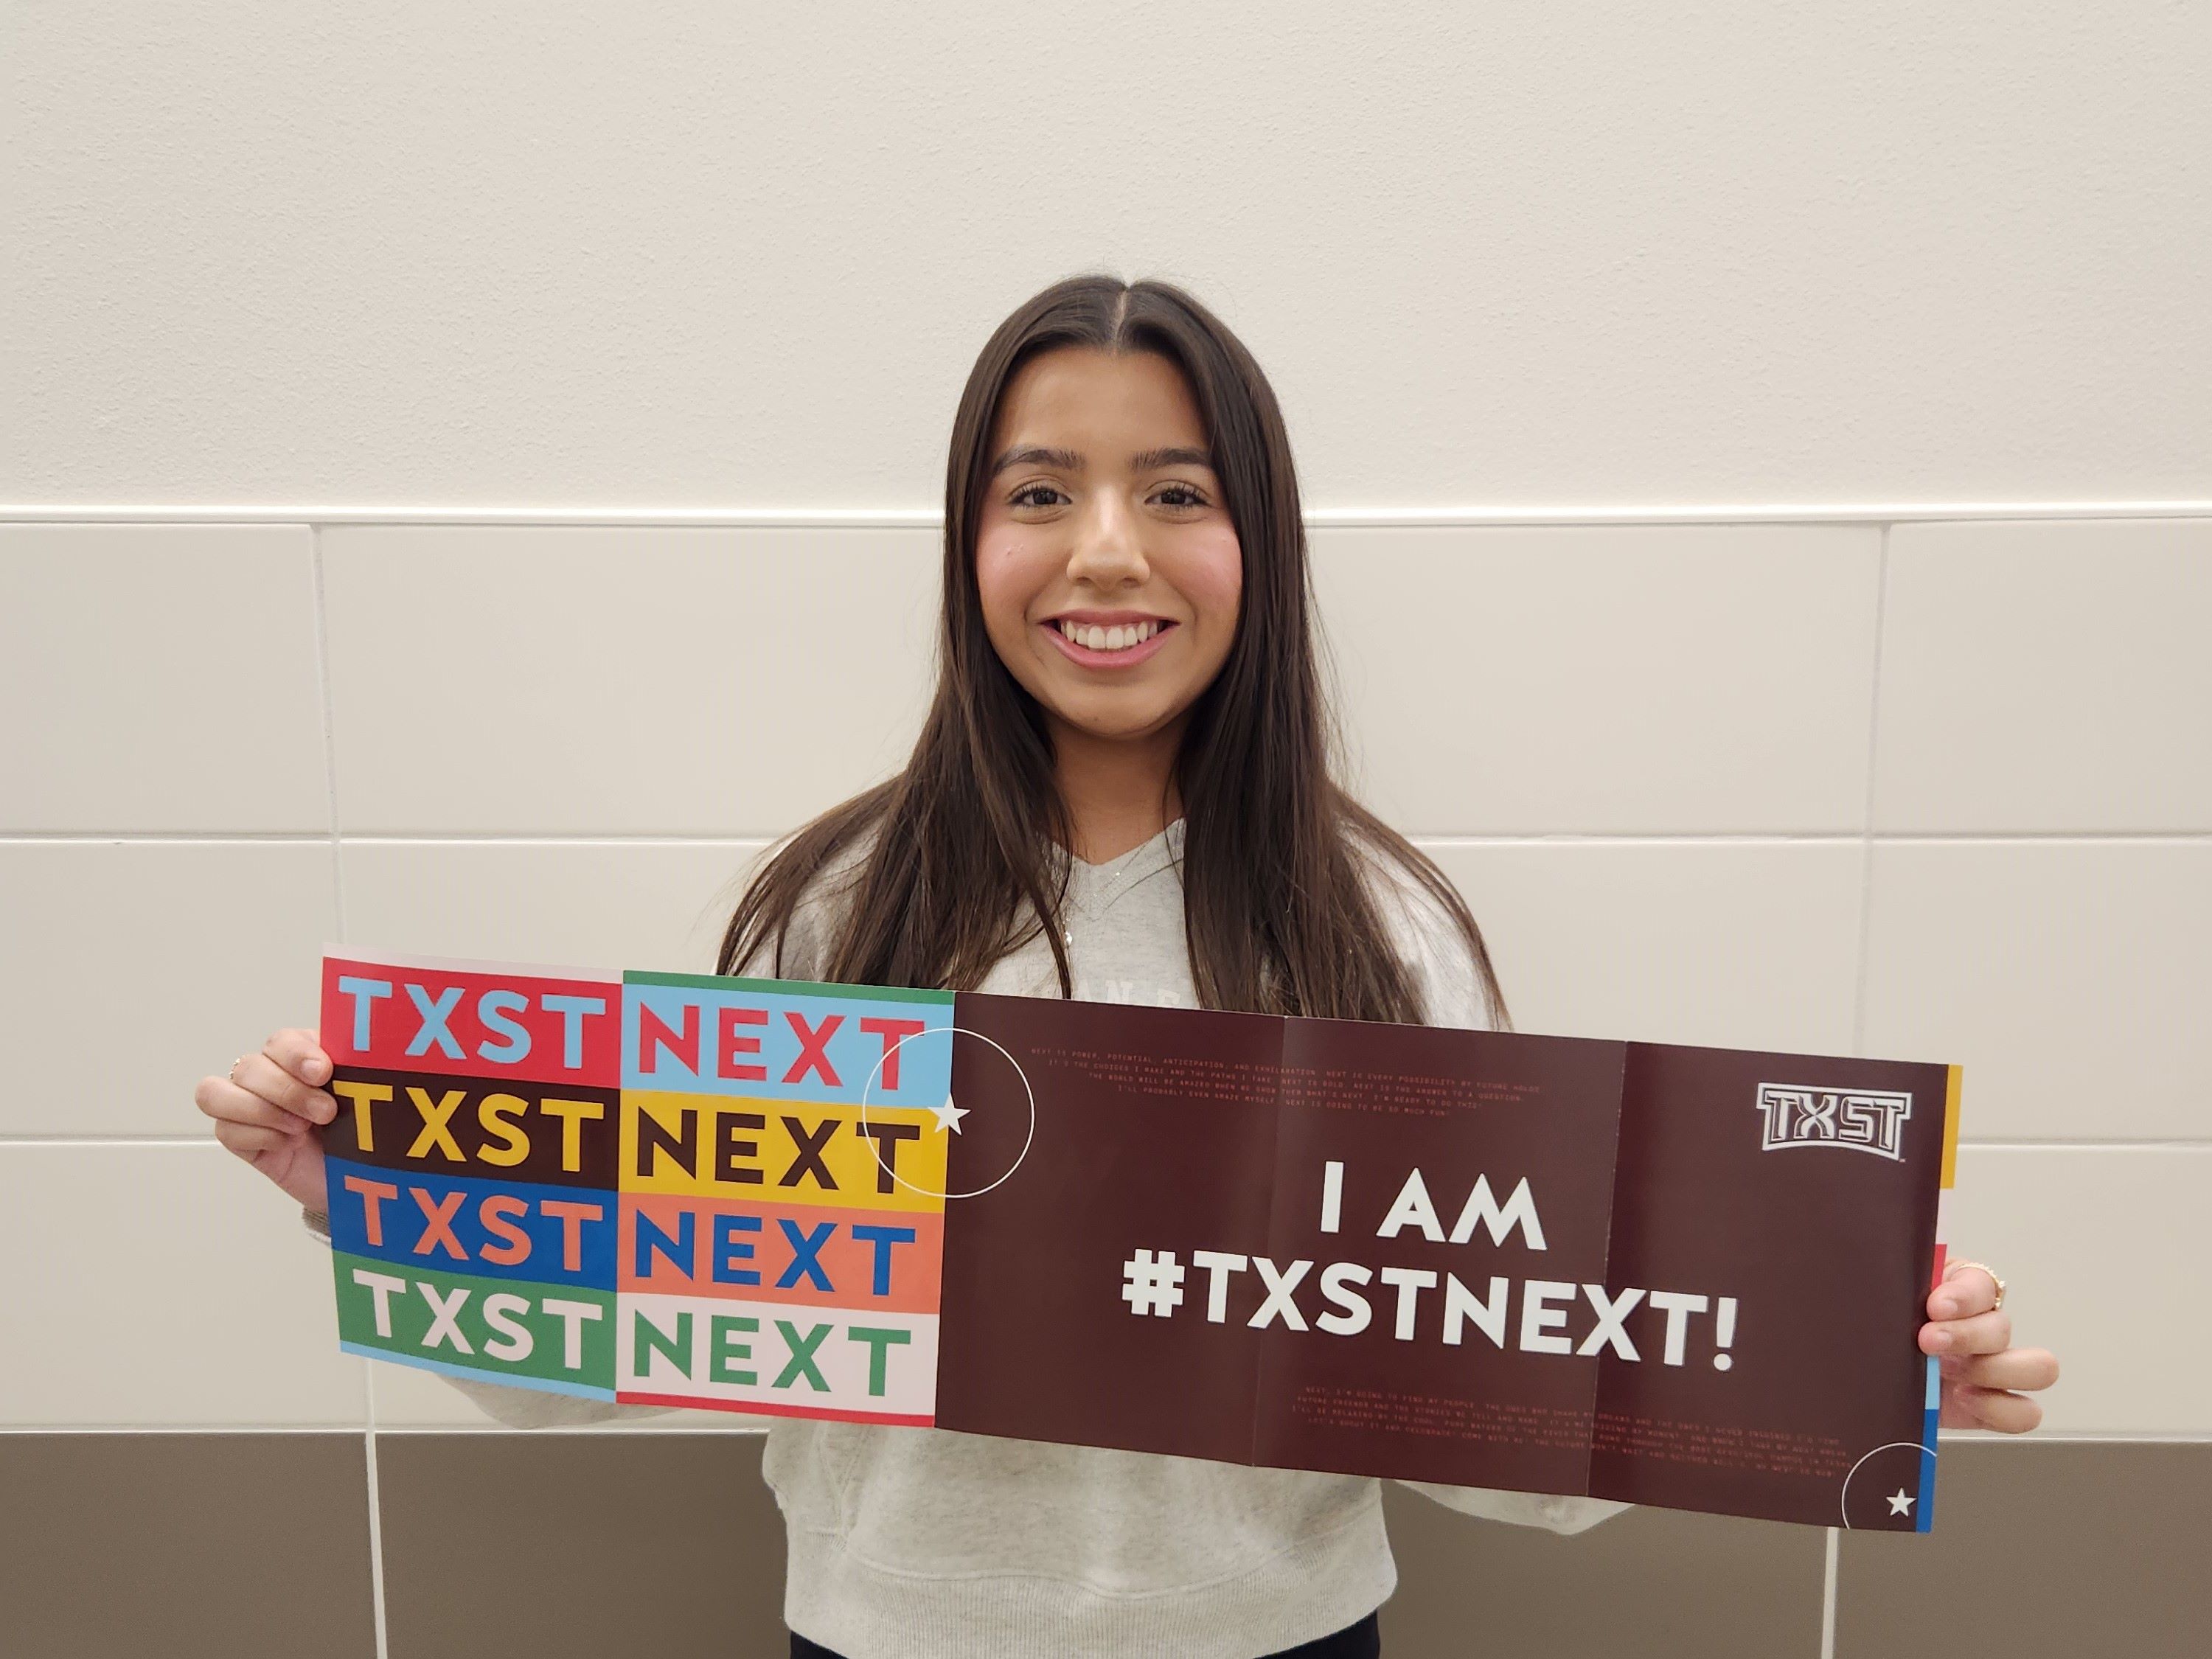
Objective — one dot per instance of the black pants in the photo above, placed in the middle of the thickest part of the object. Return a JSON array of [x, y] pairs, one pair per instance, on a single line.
[[1361, 1641]]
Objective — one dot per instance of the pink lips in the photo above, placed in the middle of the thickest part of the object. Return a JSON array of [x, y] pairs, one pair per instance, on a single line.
[[1129, 657]]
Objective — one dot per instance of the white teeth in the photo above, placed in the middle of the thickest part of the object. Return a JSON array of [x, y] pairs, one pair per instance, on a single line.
[[1118, 638]]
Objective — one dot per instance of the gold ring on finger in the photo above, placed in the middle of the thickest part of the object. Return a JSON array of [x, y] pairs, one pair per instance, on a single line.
[[1994, 1279]]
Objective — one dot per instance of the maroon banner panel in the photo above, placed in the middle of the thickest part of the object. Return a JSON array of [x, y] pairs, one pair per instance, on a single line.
[[1675, 1276]]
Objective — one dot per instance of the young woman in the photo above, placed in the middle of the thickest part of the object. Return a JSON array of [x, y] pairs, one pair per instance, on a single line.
[[1121, 792]]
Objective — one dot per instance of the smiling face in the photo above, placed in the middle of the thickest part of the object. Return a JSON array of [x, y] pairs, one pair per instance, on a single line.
[[1109, 569]]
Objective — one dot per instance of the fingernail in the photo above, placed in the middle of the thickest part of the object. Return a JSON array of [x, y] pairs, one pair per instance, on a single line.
[[1947, 1306], [326, 1108], [312, 1071], [1941, 1340]]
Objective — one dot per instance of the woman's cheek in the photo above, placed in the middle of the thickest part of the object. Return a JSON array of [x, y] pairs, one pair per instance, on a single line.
[[1211, 577], [1002, 584]]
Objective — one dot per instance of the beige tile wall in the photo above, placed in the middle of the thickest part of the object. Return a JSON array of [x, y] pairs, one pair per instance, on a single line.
[[2046, 676], [1666, 680], [1935, 791], [160, 679], [578, 682]]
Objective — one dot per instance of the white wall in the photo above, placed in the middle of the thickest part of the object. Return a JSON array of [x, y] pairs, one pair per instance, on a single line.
[[713, 255], [1935, 790]]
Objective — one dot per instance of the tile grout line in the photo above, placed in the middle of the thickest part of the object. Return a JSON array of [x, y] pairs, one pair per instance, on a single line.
[[1832, 1554], [373, 1488], [1866, 820], [320, 515], [1831, 1563], [330, 733], [375, 1516]]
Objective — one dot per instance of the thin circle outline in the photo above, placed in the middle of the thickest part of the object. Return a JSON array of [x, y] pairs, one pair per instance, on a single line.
[[1028, 1093], [1844, 1496]]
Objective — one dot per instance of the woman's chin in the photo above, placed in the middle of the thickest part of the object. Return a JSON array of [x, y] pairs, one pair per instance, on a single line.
[[1115, 725]]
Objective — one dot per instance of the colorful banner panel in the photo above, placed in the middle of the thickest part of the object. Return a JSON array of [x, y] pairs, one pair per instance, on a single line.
[[1676, 1276], [658, 1188], [782, 1181]]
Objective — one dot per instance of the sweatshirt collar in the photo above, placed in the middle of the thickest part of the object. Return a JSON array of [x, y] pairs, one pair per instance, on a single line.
[[1094, 886]]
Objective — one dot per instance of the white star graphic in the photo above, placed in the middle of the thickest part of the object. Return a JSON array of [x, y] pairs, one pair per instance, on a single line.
[[1900, 1504], [948, 1116]]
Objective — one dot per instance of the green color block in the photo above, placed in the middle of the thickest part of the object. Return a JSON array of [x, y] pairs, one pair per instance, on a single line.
[[501, 1329]]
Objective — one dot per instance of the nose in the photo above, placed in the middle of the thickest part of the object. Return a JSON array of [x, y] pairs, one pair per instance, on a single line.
[[1109, 549]]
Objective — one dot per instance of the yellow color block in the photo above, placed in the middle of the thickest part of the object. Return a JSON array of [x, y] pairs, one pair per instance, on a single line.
[[1950, 1127], [797, 1153]]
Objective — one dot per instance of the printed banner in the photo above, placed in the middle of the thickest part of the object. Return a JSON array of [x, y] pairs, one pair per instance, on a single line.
[[1676, 1276]]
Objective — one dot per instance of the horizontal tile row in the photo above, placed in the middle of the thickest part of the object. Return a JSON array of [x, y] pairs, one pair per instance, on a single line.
[[568, 681], [230, 1544], [675, 1543], [189, 1293], [2068, 977], [2067, 1549]]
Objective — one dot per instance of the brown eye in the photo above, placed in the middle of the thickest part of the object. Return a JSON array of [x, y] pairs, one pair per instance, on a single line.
[[1194, 498], [1022, 497]]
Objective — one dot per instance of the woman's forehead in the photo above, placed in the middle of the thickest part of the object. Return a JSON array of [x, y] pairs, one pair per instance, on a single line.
[[1090, 401]]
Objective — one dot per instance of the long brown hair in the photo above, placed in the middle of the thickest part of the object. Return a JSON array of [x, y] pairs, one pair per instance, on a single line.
[[969, 864]]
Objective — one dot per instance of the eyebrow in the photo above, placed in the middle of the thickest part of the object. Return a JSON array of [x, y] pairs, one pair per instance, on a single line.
[[1066, 460]]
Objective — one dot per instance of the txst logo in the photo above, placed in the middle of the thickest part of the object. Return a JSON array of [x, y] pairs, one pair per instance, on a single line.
[[1864, 1119]]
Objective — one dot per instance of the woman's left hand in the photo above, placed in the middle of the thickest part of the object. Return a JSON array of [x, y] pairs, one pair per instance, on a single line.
[[1971, 1339]]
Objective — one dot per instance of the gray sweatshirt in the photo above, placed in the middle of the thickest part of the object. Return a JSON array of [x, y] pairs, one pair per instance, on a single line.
[[911, 1543]]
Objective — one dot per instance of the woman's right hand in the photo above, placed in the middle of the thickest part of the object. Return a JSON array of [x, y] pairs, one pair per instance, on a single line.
[[267, 1109]]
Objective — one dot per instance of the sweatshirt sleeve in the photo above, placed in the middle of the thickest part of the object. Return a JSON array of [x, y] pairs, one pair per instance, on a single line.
[[1452, 993]]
